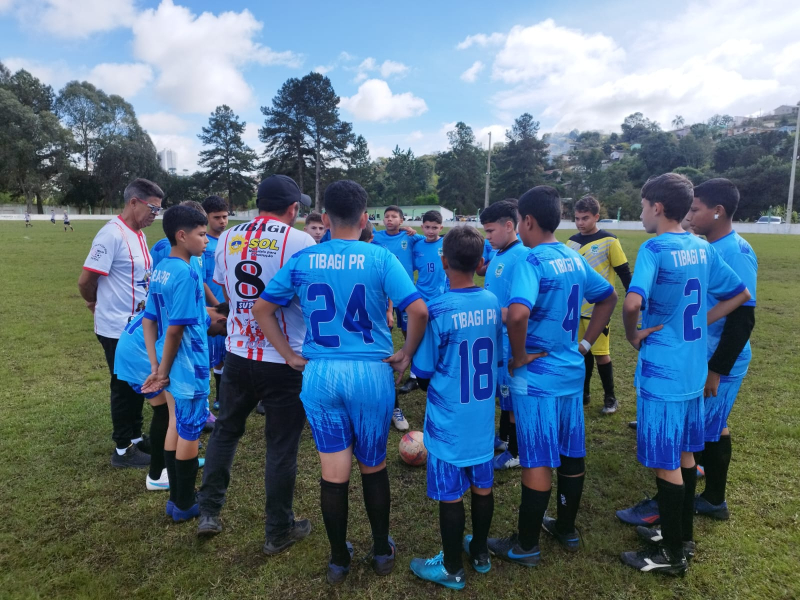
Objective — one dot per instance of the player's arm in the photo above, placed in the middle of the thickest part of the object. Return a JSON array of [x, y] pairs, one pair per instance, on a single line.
[[631, 308], [735, 335], [211, 300], [624, 273], [264, 312], [87, 286], [601, 315], [517, 325], [172, 341], [390, 314], [417, 313], [619, 262], [481, 270], [726, 307]]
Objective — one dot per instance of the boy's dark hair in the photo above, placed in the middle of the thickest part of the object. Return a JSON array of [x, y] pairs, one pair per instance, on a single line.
[[673, 191], [718, 191], [366, 233], [182, 218], [432, 216], [396, 209], [142, 189], [345, 202], [215, 204], [588, 204], [223, 308], [500, 212], [543, 204], [463, 248], [313, 217]]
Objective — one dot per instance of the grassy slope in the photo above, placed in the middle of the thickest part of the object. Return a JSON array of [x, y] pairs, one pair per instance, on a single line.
[[73, 527]]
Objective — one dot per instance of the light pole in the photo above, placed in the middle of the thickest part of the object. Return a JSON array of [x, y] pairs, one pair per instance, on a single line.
[[791, 177], [488, 173]]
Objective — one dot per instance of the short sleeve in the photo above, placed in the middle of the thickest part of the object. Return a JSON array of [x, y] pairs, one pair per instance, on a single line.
[[746, 267], [723, 283], [280, 290], [616, 255], [525, 283], [150, 308], [101, 255], [427, 355], [644, 274], [397, 285], [182, 307], [219, 261], [596, 288]]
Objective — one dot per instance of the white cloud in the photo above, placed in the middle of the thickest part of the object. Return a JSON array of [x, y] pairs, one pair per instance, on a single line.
[[483, 40], [74, 19], [498, 134], [471, 74], [164, 123], [386, 69], [390, 67], [375, 101], [125, 80], [199, 58], [323, 70], [55, 74], [6, 5]]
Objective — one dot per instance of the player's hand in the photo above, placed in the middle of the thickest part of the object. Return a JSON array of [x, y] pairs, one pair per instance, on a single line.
[[90, 306], [583, 350], [399, 362], [297, 362], [154, 383], [390, 318], [410, 231], [525, 359], [712, 384], [641, 334]]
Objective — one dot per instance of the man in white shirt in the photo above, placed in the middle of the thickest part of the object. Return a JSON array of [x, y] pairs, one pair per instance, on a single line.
[[248, 256], [114, 282]]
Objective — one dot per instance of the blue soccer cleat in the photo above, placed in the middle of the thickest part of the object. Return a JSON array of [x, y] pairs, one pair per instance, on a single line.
[[703, 507], [504, 461], [645, 513], [433, 570], [509, 548], [170, 508], [482, 563], [336, 573], [180, 516], [382, 564]]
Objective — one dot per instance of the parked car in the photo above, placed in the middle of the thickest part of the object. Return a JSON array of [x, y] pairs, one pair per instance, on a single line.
[[608, 221], [770, 221]]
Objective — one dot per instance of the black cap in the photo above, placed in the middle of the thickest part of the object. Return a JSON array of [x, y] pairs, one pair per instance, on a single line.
[[281, 190]]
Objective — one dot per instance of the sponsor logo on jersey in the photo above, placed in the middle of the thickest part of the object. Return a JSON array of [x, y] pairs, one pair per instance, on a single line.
[[98, 251], [499, 270], [594, 248], [263, 244], [236, 244]]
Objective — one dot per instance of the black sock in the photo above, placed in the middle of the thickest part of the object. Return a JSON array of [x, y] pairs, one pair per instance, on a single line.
[[531, 512], [505, 421], [588, 361], [451, 525], [482, 508], [513, 446], [396, 400], [169, 463], [606, 372], [333, 499], [378, 501], [717, 457], [689, 487], [186, 476], [568, 499], [217, 382], [158, 433], [670, 507]]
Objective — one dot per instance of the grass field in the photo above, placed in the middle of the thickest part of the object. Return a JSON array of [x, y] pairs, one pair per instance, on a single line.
[[73, 527]]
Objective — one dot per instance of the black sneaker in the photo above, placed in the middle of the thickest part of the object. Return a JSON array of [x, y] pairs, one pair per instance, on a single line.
[[656, 560], [633, 424], [610, 405], [569, 541], [260, 409], [300, 529], [209, 526], [337, 574], [382, 564], [409, 386], [144, 444], [132, 459], [586, 399], [652, 536], [509, 548]]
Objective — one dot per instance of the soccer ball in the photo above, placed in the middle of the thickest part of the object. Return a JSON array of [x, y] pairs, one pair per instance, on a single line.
[[412, 449]]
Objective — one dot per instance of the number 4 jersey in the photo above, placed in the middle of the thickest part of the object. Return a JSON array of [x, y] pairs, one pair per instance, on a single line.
[[248, 256], [342, 286]]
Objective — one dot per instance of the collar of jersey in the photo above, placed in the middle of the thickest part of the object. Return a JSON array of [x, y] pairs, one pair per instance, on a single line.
[[509, 247], [676, 233], [139, 233], [465, 290], [723, 237], [433, 242]]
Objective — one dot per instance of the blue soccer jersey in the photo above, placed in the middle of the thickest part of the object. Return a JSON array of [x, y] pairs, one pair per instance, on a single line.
[[176, 298], [460, 353], [738, 255], [552, 281], [674, 274], [431, 278], [160, 251], [401, 245], [326, 237], [208, 268], [343, 287], [133, 364]]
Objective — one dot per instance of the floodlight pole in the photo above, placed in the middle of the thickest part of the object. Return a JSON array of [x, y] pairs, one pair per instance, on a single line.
[[489, 173], [791, 177]]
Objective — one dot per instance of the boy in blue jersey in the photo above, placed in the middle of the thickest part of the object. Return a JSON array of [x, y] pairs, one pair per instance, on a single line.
[[175, 334], [427, 258], [500, 225], [348, 392], [674, 275], [547, 368], [457, 363]]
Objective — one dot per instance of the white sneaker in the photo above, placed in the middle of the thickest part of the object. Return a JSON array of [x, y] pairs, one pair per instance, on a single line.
[[162, 483], [505, 461], [399, 420]]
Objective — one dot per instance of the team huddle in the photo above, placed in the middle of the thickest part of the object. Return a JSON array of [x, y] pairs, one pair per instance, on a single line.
[[302, 322]]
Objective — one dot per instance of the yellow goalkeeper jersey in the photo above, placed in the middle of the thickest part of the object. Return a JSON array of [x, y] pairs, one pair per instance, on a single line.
[[603, 251]]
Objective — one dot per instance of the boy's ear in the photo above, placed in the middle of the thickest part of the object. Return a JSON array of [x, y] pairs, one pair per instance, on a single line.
[[480, 263], [444, 262]]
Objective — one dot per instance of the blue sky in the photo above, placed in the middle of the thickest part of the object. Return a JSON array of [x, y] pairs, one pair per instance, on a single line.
[[408, 71]]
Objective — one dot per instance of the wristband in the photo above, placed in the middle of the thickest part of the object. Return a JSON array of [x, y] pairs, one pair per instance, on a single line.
[[586, 345]]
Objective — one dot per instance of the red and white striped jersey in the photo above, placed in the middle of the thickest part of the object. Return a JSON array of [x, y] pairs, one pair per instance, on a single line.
[[248, 257]]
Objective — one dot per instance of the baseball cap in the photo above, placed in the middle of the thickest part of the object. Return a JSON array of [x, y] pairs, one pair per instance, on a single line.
[[281, 190]]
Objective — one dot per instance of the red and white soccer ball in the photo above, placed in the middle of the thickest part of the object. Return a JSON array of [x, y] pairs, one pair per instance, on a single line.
[[412, 449]]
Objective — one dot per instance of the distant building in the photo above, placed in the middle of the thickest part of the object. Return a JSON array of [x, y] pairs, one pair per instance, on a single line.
[[617, 155], [785, 110], [636, 146], [682, 132], [411, 212], [168, 159]]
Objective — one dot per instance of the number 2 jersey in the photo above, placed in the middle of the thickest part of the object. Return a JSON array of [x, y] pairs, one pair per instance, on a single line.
[[674, 274], [460, 353], [342, 287], [248, 256]]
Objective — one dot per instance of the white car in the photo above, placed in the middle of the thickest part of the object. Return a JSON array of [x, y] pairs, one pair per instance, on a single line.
[[608, 221], [770, 221]]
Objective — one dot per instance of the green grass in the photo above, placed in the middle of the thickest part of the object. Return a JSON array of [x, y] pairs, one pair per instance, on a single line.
[[72, 527]]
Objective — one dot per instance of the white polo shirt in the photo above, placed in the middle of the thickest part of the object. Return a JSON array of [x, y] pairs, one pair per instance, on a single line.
[[246, 260], [121, 256]]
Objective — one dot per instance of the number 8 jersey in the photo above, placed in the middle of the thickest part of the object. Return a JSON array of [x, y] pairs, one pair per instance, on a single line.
[[248, 256]]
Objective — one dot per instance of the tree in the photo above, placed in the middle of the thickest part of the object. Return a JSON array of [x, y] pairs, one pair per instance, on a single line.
[[123, 158], [636, 126], [461, 171], [520, 162], [694, 152], [284, 133], [406, 177], [359, 167], [30, 91], [659, 153], [591, 160], [229, 160], [677, 122]]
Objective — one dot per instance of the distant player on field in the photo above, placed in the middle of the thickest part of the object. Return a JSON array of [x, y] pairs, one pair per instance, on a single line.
[[28, 219], [53, 216], [66, 222]]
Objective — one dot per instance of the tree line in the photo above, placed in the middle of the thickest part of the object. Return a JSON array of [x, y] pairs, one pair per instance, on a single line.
[[82, 146]]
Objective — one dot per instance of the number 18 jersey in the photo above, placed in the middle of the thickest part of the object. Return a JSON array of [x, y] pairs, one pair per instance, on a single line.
[[248, 256]]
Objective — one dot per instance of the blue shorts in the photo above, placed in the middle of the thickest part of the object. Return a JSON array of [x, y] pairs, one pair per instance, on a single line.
[[191, 415], [138, 389], [667, 428], [216, 350], [349, 403], [548, 427], [401, 319], [448, 482], [718, 408]]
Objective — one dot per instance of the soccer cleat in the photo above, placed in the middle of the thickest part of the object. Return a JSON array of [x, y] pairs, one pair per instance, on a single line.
[[701, 471], [399, 420], [180, 516], [500, 444], [382, 564], [505, 461], [337, 574], [509, 548], [433, 570], [652, 536], [587, 398], [569, 541], [645, 513], [633, 424], [208, 526], [409, 386], [162, 483], [201, 462], [656, 560], [260, 409], [703, 507], [299, 529], [132, 459], [482, 563], [170, 508], [209, 425], [610, 406]]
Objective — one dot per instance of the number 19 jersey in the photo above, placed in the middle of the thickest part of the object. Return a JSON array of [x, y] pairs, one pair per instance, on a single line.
[[248, 256]]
